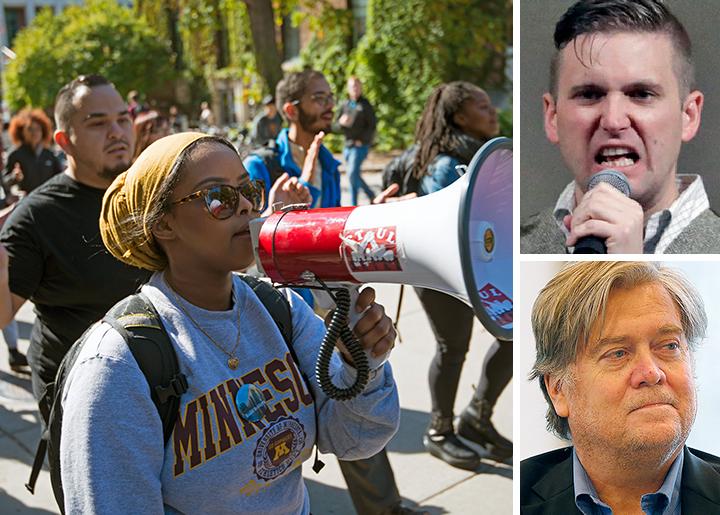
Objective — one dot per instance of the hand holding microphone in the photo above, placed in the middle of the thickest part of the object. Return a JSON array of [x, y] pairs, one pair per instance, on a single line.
[[606, 220]]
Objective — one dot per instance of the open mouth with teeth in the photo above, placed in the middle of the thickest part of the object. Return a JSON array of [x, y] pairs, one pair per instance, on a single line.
[[616, 157]]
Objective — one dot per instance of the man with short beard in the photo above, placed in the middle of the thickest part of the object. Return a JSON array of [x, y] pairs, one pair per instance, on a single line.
[[51, 250], [614, 359], [305, 100]]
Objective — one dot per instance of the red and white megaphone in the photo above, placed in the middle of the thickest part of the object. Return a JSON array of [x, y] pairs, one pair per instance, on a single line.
[[457, 241]]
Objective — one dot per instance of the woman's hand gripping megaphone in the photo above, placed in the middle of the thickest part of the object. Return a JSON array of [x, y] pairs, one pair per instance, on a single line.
[[372, 327]]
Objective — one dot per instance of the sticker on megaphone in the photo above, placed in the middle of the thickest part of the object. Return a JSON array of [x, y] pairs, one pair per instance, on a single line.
[[371, 249], [482, 240]]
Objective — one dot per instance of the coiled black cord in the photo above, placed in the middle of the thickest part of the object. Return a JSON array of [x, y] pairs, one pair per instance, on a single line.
[[338, 328]]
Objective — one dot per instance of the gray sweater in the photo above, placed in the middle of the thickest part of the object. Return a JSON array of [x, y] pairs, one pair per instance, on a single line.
[[540, 234], [112, 455]]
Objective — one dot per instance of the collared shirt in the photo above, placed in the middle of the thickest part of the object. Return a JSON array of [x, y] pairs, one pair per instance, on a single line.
[[662, 227], [666, 501]]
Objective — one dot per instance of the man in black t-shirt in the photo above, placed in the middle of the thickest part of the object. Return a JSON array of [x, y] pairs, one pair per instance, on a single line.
[[51, 250]]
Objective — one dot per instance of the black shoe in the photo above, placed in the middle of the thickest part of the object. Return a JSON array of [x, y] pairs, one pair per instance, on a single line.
[[475, 425], [401, 509], [17, 360], [441, 442]]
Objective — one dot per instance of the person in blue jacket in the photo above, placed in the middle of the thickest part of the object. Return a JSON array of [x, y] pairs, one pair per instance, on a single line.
[[307, 103]]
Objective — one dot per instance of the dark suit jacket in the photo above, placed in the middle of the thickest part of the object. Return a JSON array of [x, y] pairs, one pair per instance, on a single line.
[[546, 483]]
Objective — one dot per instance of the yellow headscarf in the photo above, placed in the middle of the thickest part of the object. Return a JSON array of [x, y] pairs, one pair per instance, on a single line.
[[124, 224]]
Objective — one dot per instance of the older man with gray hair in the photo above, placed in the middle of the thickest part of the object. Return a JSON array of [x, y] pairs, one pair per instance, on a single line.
[[615, 343]]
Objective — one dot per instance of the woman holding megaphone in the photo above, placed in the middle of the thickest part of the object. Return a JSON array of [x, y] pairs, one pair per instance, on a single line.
[[457, 120], [182, 210]]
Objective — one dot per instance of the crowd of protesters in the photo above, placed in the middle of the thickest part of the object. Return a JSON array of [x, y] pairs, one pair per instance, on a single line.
[[99, 135]]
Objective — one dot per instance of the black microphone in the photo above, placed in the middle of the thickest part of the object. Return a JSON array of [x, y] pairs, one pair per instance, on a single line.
[[593, 244]]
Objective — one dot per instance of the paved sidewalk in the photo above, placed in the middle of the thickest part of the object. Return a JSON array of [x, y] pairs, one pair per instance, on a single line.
[[422, 479]]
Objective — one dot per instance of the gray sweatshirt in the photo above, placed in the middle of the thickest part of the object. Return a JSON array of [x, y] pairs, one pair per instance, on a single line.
[[112, 455]]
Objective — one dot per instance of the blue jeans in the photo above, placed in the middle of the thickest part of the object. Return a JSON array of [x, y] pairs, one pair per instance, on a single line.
[[354, 156]]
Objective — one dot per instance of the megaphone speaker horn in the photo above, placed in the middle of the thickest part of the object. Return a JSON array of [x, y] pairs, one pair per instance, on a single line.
[[457, 241]]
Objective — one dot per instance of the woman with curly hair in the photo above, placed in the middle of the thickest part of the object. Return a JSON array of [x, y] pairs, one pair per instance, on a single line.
[[32, 162], [457, 120]]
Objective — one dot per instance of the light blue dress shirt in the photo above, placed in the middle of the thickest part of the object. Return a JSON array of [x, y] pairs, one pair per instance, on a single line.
[[666, 501]]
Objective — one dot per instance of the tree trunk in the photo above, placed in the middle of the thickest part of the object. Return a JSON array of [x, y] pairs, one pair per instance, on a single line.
[[262, 26], [221, 37], [171, 13]]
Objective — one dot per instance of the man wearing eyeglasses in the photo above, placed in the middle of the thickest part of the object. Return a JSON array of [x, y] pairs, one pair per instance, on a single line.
[[51, 250], [307, 103]]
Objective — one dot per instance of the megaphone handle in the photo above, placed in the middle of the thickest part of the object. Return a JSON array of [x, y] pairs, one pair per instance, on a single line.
[[338, 328], [353, 317]]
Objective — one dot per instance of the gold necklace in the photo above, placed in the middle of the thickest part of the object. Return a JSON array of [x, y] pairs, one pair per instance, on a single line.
[[233, 362]]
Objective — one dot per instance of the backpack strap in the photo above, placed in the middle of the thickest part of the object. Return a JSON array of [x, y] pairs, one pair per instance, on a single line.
[[270, 156], [50, 438], [51, 428], [37, 465], [279, 308], [277, 305], [138, 322]]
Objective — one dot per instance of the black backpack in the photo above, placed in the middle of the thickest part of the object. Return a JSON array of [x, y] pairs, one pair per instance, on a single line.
[[270, 156], [137, 321], [399, 171]]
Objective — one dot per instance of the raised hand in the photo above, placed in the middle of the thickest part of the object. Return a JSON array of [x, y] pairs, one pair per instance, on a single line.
[[17, 173], [288, 190], [308, 170]]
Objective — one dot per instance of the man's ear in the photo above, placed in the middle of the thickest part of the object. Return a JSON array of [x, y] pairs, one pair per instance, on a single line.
[[62, 139], [290, 111], [692, 110], [550, 118], [163, 229], [554, 387]]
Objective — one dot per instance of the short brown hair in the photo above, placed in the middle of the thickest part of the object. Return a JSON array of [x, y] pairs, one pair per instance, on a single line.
[[596, 16], [292, 87]]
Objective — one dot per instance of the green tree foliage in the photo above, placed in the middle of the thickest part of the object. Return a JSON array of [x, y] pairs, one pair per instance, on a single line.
[[211, 39], [412, 46], [330, 48], [99, 37]]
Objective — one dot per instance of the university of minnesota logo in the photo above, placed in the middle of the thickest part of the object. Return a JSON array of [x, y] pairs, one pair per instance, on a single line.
[[278, 448]]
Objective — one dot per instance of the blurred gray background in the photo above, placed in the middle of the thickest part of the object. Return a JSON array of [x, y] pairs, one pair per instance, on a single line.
[[542, 172]]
